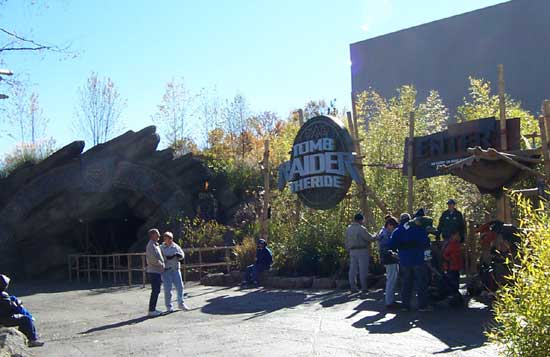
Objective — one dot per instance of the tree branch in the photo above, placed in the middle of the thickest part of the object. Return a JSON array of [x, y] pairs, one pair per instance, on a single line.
[[36, 46]]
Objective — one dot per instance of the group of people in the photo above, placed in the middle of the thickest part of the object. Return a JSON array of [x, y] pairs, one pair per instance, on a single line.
[[405, 251], [164, 267]]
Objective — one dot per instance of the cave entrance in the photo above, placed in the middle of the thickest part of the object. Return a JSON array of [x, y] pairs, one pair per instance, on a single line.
[[112, 231]]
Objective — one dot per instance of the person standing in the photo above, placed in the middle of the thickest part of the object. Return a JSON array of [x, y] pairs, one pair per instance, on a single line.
[[155, 267], [357, 245], [452, 260], [411, 241], [390, 260], [451, 220], [173, 255]]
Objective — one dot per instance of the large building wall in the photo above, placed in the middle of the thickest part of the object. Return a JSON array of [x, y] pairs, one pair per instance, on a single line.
[[442, 54]]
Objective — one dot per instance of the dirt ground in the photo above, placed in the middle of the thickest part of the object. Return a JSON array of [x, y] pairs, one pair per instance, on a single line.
[[76, 320]]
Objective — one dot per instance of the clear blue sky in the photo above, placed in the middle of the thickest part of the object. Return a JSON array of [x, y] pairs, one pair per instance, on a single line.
[[278, 54]]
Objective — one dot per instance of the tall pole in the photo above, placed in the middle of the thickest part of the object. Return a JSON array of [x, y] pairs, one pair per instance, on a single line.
[[544, 124], [504, 210], [298, 203], [265, 209], [410, 165], [502, 107]]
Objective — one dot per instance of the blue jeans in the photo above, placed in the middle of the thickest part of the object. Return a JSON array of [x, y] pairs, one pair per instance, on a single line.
[[453, 277], [414, 276], [253, 271], [156, 281], [169, 277]]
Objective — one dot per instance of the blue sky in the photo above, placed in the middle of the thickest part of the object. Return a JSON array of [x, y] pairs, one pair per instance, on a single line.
[[278, 54]]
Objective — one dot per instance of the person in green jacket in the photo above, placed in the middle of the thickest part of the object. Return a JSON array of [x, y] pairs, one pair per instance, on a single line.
[[451, 220]]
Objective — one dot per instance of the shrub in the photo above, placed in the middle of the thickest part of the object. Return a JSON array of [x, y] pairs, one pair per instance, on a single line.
[[245, 252], [26, 153], [522, 311], [200, 233]]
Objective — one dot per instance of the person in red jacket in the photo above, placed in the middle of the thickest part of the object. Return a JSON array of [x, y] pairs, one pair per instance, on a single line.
[[452, 259]]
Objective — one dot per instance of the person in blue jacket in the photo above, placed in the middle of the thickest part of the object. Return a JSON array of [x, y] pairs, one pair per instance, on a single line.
[[264, 259], [411, 241]]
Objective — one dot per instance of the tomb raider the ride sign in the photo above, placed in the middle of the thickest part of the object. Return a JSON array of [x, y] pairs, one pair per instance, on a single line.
[[322, 166]]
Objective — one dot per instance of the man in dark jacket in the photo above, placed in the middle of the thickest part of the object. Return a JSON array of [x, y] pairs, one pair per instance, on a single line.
[[13, 314], [411, 240], [264, 259], [451, 220]]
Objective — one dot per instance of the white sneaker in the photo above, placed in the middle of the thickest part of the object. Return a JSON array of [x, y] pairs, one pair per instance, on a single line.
[[183, 307], [154, 313], [171, 309]]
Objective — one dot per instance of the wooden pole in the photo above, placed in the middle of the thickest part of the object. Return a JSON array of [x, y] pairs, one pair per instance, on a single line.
[[544, 122], [143, 275], [504, 210], [265, 210], [70, 268], [101, 269], [129, 261], [502, 108], [298, 203], [410, 165], [88, 263], [352, 123], [78, 269]]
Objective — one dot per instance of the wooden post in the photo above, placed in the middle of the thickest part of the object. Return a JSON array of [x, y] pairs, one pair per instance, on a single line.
[[502, 108], [88, 261], [265, 210], [298, 203], [544, 123], [504, 211], [354, 132], [70, 268], [129, 259], [114, 269], [101, 269], [228, 259], [410, 165], [143, 275]]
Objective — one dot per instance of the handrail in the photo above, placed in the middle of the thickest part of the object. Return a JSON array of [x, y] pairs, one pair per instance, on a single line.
[[111, 264]]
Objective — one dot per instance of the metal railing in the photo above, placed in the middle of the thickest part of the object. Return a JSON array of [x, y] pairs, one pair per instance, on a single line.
[[118, 265]]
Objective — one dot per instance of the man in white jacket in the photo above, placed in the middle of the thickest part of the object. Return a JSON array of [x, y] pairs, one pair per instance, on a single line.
[[173, 255], [155, 267]]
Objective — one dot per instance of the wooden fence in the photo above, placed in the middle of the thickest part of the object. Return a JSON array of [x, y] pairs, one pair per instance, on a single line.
[[119, 265]]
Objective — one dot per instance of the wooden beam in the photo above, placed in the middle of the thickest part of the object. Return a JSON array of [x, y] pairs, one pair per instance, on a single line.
[[410, 165], [502, 108]]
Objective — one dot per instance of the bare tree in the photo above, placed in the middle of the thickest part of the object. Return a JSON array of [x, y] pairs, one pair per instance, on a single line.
[[25, 115], [98, 109], [209, 112], [174, 111]]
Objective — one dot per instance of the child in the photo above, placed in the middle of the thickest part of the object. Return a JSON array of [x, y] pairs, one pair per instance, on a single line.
[[13, 314], [452, 259]]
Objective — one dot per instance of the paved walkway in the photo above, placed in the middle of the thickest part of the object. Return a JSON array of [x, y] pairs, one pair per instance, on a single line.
[[255, 322]]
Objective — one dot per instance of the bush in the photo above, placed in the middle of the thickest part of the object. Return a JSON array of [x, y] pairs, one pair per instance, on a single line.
[[245, 252], [522, 311], [200, 233], [26, 153]]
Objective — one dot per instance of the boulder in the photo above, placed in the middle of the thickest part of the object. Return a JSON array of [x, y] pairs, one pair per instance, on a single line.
[[13, 343], [323, 283]]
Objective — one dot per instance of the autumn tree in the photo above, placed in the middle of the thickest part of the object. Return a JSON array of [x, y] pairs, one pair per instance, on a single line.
[[209, 112], [98, 109], [25, 116], [236, 116]]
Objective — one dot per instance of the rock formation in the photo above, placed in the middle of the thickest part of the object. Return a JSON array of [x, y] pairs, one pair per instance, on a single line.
[[98, 201]]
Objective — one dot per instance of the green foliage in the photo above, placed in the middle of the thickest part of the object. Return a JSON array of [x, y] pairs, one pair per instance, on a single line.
[[522, 312], [25, 154], [200, 233]]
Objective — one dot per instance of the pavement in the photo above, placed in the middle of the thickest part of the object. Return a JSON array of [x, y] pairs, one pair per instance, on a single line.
[[76, 320]]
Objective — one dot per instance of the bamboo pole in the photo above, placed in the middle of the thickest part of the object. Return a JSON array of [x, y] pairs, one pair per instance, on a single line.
[[410, 165]]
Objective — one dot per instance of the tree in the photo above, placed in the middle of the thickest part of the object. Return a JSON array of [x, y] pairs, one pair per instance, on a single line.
[[26, 116], [236, 118], [314, 108], [98, 109], [265, 124], [209, 112], [174, 111]]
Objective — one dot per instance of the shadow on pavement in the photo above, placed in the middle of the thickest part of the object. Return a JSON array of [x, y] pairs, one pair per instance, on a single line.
[[27, 288], [116, 325], [459, 328], [258, 302]]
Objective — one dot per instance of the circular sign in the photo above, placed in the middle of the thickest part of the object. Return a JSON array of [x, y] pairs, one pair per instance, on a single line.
[[322, 161]]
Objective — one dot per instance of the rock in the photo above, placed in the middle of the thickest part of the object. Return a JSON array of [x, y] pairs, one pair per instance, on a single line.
[[323, 283], [101, 201], [304, 282], [216, 279], [13, 343]]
